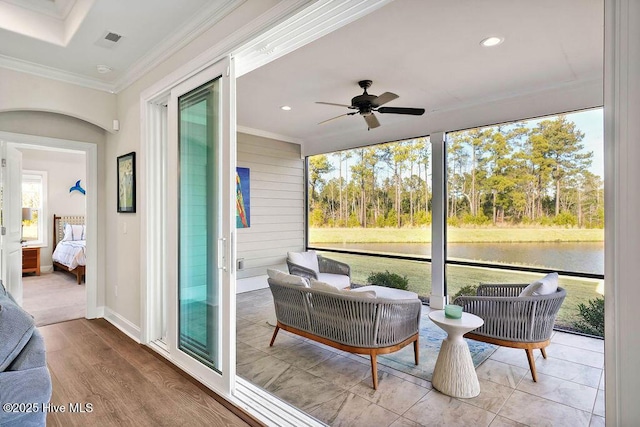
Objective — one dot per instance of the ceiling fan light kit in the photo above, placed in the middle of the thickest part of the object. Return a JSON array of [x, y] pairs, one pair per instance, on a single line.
[[367, 104]]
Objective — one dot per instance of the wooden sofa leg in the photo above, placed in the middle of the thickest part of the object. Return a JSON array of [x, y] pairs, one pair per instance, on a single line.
[[532, 364], [416, 351], [273, 338], [544, 352], [374, 369]]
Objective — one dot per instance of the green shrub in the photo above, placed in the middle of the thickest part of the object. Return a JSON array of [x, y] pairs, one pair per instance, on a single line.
[[565, 219], [466, 290], [592, 315], [390, 280]]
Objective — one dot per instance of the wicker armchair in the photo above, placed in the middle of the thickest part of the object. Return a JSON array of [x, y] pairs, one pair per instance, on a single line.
[[513, 321], [334, 272]]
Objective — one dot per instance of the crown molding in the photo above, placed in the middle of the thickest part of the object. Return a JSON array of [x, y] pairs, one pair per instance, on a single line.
[[202, 21], [54, 73]]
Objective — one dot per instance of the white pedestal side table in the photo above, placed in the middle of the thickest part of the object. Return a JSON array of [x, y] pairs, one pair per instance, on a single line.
[[454, 373]]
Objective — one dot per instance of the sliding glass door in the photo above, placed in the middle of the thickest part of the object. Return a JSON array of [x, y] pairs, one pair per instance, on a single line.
[[199, 218], [200, 227]]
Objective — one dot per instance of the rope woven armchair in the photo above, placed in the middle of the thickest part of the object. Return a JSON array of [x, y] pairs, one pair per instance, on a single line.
[[514, 321], [313, 266]]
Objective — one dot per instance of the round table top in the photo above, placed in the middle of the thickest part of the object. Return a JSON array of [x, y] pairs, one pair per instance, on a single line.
[[468, 321]]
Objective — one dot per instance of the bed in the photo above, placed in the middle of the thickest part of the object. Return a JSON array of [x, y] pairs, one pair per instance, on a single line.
[[69, 245]]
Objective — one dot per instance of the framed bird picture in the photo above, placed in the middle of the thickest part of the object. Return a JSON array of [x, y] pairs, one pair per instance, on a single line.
[[127, 183]]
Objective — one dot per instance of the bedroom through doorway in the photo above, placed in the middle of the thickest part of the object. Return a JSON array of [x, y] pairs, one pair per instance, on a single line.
[[53, 233]]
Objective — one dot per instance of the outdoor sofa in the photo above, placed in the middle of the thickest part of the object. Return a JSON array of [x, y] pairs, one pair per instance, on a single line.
[[355, 321]]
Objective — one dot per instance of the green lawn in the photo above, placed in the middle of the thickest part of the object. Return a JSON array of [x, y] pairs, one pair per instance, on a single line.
[[454, 235]]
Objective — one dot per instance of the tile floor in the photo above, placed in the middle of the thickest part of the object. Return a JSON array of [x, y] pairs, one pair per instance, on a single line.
[[335, 387]]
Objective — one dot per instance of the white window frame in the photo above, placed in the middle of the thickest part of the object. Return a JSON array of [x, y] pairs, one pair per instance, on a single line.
[[43, 237]]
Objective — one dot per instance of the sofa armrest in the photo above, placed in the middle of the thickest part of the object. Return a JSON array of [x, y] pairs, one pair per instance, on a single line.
[[398, 320]]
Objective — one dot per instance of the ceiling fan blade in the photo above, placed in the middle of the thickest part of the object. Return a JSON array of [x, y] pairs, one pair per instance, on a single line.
[[384, 98], [400, 110], [337, 117], [332, 103], [372, 121]]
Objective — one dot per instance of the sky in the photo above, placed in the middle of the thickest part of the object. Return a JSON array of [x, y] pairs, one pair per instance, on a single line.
[[591, 123]]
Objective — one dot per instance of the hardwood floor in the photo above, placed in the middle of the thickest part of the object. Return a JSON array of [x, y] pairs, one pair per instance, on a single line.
[[91, 362]]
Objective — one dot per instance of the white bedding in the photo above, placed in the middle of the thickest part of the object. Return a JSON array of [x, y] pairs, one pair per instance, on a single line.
[[70, 253]]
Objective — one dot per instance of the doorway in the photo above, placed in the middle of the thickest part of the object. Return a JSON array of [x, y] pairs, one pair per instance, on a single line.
[[89, 151], [53, 195]]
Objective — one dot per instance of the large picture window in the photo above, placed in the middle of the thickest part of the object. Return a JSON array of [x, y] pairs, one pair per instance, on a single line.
[[528, 195], [375, 200], [522, 199]]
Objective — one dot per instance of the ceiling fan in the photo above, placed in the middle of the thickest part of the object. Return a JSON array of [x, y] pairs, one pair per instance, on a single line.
[[366, 105]]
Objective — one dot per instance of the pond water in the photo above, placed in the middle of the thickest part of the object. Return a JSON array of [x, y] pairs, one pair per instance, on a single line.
[[584, 257]]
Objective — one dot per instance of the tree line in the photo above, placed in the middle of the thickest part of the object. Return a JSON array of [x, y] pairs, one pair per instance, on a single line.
[[510, 174]]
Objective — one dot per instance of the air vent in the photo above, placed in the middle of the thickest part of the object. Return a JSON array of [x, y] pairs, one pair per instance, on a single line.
[[112, 37], [109, 40]]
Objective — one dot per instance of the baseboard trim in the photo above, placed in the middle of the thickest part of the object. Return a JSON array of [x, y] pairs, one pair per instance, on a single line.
[[128, 328]]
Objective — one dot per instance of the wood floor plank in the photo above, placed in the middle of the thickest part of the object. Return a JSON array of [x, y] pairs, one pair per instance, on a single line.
[[125, 383]]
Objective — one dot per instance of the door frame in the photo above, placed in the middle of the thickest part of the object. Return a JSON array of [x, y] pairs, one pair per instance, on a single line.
[[92, 286], [160, 276]]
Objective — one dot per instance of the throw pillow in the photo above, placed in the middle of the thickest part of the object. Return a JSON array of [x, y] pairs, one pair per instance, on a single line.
[[73, 232], [307, 259], [545, 286], [288, 279]]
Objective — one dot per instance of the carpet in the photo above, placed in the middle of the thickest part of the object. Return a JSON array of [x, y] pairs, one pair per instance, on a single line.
[[431, 337], [53, 297]]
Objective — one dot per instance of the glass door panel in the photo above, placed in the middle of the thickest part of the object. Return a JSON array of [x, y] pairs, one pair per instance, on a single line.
[[199, 219]]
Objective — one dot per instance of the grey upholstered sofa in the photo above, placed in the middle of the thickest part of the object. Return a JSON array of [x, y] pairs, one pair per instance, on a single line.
[[24, 377], [356, 322]]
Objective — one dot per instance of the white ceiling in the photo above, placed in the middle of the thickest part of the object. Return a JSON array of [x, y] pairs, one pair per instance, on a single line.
[[65, 37], [427, 52]]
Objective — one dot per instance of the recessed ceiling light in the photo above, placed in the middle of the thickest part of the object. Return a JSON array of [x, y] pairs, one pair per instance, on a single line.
[[285, 108], [104, 69], [491, 41]]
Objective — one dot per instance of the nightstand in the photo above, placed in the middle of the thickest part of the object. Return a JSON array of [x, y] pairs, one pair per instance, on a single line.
[[31, 260]]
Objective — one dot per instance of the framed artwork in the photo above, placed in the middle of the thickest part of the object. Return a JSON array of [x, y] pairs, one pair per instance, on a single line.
[[127, 183], [243, 198]]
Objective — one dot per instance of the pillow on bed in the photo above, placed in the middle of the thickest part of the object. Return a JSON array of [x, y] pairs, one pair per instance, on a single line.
[[73, 232]]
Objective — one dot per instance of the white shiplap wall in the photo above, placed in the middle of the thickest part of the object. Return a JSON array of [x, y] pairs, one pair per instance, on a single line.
[[277, 204]]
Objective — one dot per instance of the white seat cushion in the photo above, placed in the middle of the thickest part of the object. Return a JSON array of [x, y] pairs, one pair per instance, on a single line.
[[339, 281], [326, 287], [388, 293], [307, 259]]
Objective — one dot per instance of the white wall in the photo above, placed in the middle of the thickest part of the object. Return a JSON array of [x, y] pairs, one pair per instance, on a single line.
[[277, 204], [26, 92], [63, 170], [123, 277]]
